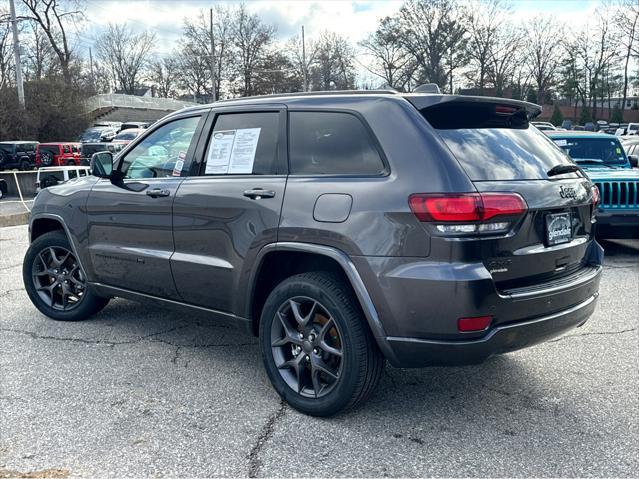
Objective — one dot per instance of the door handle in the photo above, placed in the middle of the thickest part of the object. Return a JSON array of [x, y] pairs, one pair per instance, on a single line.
[[259, 193], [156, 192]]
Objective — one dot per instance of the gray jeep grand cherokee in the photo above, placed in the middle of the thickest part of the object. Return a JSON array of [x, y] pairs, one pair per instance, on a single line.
[[343, 229]]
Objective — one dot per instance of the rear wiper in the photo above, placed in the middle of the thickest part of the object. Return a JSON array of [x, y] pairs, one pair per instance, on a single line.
[[561, 169]]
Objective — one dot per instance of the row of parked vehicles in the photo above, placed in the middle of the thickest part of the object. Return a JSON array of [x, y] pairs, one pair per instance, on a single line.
[[109, 136], [617, 129]]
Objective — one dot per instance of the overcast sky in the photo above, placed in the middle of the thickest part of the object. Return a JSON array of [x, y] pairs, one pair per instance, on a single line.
[[354, 19]]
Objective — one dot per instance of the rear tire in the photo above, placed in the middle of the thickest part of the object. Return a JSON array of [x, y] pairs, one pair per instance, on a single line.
[[316, 346], [25, 165], [55, 282], [70, 163]]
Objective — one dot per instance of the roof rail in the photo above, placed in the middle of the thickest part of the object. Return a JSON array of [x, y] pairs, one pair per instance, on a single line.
[[316, 93]]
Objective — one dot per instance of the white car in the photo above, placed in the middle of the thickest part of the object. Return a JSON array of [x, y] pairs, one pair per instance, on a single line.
[[544, 125], [54, 175]]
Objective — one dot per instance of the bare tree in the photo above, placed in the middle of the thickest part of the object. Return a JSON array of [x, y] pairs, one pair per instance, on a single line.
[[40, 60], [302, 59], [7, 65], [486, 19], [163, 75], [52, 17], [251, 39], [434, 33], [390, 61], [504, 57], [125, 54], [542, 56], [333, 68], [627, 19], [197, 41]]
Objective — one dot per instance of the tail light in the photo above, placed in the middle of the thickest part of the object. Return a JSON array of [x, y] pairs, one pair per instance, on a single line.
[[468, 213]]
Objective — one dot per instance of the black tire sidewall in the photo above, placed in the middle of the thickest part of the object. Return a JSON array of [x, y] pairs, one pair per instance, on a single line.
[[345, 390], [90, 302]]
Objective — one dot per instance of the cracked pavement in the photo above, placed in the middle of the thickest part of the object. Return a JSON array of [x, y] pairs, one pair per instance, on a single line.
[[141, 391]]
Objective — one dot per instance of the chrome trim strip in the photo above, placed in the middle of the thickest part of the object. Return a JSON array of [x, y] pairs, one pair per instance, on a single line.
[[212, 261], [553, 289]]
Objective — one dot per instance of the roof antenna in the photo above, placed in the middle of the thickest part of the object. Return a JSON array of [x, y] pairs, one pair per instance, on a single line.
[[427, 88]]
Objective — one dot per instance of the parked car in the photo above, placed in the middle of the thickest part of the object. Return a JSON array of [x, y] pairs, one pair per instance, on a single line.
[[87, 150], [127, 136], [134, 124], [633, 129], [98, 134], [566, 124], [55, 175], [544, 125], [631, 147], [116, 125], [3, 187], [58, 154], [331, 226], [604, 160], [18, 154]]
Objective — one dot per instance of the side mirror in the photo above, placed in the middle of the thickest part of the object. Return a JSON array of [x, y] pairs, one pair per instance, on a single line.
[[634, 161], [102, 164]]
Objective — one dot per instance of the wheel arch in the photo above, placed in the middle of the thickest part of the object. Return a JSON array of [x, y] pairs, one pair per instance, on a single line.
[[294, 258], [44, 223]]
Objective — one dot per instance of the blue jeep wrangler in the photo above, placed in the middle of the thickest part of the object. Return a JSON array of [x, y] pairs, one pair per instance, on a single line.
[[604, 160]]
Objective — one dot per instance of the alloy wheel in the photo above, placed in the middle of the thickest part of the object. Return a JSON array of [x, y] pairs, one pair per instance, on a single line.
[[58, 278], [306, 344]]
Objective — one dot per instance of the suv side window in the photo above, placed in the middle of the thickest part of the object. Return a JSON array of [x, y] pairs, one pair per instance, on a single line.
[[163, 152], [331, 143], [66, 149], [244, 143]]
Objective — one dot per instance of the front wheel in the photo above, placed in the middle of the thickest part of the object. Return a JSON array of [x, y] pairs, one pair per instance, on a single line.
[[317, 349], [25, 165], [55, 282]]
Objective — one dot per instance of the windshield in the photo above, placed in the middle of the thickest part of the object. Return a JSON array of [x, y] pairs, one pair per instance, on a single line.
[[91, 135], [126, 136], [605, 151]]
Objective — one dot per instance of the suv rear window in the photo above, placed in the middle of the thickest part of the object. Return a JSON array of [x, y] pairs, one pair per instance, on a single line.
[[331, 143], [492, 144]]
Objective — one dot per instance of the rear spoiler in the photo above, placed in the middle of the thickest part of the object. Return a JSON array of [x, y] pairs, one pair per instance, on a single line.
[[424, 101]]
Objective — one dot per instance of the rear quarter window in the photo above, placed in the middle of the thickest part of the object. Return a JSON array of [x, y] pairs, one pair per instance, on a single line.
[[331, 143]]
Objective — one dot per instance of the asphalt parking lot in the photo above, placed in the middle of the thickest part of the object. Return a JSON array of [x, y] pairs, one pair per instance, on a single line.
[[142, 392]]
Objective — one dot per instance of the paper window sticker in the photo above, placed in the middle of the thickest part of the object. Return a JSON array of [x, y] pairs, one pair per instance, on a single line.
[[243, 152], [179, 164], [561, 142], [219, 154]]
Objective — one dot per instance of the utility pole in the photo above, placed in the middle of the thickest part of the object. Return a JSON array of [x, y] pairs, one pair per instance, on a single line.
[[16, 54], [212, 57], [91, 65], [304, 61]]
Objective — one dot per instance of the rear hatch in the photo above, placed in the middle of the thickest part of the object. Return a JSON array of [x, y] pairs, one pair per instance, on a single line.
[[535, 225]]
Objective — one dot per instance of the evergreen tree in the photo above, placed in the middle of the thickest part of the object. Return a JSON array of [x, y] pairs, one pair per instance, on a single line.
[[557, 117]]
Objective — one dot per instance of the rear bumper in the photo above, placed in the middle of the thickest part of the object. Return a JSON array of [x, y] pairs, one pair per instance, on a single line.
[[419, 303], [413, 352], [618, 224]]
